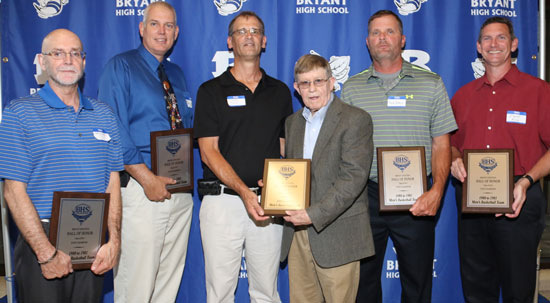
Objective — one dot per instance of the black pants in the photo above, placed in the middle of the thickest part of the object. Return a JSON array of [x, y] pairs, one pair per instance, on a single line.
[[413, 239], [81, 286], [500, 253]]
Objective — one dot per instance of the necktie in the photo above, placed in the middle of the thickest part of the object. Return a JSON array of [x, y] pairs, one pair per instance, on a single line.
[[170, 98]]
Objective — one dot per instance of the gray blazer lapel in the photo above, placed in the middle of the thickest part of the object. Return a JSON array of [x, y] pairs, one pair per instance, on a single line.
[[329, 126]]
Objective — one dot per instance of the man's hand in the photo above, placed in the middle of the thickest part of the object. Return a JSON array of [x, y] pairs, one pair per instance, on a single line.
[[458, 170], [253, 208], [297, 217], [59, 267], [520, 189], [155, 188], [427, 204], [106, 258]]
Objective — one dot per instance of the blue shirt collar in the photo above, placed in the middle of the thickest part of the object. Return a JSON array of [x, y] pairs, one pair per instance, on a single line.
[[151, 60], [321, 113], [53, 100]]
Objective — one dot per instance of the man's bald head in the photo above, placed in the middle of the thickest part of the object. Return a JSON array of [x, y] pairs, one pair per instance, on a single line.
[[59, 35]]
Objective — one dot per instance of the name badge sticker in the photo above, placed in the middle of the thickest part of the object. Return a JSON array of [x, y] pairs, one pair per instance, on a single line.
[[189, 103], [235, 101], [397, 101], [513, 116], [100, 134]]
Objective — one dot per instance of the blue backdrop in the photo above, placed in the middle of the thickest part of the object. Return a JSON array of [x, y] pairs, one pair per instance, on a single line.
[[440, 35]]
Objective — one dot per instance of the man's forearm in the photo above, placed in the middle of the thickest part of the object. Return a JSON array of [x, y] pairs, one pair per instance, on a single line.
[[455, 153], [441, 161], [541, 168], [212, 157], [227, 175], [115, 208], [140, 172], [27, 220]]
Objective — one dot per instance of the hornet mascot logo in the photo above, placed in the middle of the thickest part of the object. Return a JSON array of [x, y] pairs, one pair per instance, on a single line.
[[340, 68], [228, 7], [49, 8], [406, 7]]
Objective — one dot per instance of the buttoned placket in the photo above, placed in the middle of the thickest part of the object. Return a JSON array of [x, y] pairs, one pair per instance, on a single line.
[[74, 117], [491, 115]]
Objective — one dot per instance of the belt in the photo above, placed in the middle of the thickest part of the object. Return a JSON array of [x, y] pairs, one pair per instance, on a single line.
[[229, 191]]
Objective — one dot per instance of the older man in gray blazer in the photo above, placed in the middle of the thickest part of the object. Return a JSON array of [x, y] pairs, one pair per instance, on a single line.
[[325, 242]]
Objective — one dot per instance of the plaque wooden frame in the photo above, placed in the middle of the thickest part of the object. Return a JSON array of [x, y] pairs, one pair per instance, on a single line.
[[509, 184], [381, 153], [155, 165], [57, 215], [268, 192]]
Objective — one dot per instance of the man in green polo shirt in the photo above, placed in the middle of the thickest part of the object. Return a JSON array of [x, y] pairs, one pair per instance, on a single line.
[[409, 106]]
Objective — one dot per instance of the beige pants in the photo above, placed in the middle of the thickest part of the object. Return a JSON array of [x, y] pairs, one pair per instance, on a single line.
[[311, 283], [225, 229], [154, 246]]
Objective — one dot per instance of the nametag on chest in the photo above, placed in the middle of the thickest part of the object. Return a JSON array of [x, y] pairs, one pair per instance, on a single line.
[[100, 134], [513, 116], [397, 101], [235, 101]]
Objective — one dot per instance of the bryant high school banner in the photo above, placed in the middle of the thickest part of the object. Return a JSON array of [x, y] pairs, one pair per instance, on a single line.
[[441, 36]]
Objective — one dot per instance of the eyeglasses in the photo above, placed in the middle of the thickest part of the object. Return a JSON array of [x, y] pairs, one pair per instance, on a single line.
[[59, 54], [316, 82], [244, 31]]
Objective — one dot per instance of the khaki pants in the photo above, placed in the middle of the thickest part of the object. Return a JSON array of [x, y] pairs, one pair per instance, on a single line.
[[154, 246], [225, 229], [311, 283]]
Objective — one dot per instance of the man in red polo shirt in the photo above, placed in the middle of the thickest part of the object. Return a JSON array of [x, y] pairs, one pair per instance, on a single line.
[[503, 109]]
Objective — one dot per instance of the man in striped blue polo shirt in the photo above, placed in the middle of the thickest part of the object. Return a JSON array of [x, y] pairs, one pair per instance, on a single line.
[[59, 140], [409, 106]]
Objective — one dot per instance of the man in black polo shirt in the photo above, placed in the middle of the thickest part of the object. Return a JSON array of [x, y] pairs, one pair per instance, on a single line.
[[239, 120]]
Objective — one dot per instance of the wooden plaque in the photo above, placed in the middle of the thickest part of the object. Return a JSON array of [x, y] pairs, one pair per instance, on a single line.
[[401, 176], [78, 225], [172, 156], [489, 184], [286, 185]]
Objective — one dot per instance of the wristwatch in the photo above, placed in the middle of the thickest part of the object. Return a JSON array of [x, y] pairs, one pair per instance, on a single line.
[[526, 176]]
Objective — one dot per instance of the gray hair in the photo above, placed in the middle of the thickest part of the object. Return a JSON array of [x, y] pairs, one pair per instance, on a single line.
[[159, 3]]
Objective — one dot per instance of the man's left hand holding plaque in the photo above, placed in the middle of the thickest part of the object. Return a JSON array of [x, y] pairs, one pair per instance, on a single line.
[[172, 156]]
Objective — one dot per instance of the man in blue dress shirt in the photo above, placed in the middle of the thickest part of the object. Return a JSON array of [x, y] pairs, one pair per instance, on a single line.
[[155, 224]]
